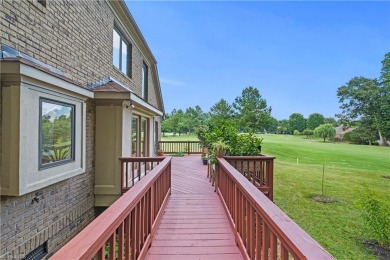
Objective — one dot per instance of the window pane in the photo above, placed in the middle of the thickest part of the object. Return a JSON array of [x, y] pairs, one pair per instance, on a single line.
[[116, 49], [134, 137], [155, 137], [144, 142], [124, 57], [56, 131], [144, 81]]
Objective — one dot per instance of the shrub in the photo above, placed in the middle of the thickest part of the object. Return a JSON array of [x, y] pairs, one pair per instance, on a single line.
[[376, 215], [247, 145], [361, 136], [296, 132], [307, 132], [220, 130]]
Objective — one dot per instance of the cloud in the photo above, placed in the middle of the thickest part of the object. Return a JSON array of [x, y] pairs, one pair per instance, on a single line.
[[172, 82]]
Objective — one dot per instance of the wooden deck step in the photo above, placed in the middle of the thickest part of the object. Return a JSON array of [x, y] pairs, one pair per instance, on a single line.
[[194, 225]]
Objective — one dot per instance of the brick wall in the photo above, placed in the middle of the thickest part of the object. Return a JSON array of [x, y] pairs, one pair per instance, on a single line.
[[75, 37], [62, 209]]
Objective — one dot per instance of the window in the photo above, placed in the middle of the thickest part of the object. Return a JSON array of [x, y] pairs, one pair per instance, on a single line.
[[156, 137], [56, 133], [121, 53], [134, 137], [37, 253], [144, 81], [42, 2], [144, 139], [44, 131]]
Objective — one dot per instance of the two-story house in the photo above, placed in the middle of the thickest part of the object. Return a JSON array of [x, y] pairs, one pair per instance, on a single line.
[[79, 89]]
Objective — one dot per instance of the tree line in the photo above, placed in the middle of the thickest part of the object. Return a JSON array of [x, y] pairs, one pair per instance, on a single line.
[[364, 104]]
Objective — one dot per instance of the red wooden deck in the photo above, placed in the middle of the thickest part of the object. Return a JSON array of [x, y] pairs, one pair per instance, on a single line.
[[194, 224]]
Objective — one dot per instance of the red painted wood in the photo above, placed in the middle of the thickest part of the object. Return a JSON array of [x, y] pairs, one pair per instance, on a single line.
[[196, 257], [195, 243], [92, 240], [276, 226], [192, 250], [258, 170], [194, 224]]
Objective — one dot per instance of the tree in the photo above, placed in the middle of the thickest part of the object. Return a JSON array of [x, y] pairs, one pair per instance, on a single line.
[[296, 121], [307, 132], [370, 99], [166, 124], [193, 118], [360, 136], [315, 120], [273, 125], [252, 110], [363, 98], [221, 110], [282, 126], [330, 120], [363, 133], [325, 131], [385, 104], [176, 121]]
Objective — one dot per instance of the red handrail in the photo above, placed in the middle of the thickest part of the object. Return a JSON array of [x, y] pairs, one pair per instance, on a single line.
[[257, 169], [188, 147], [126, 228], [262, 230], [135, 168]]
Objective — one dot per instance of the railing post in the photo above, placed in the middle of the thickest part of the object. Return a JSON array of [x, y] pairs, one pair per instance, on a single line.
[[216, 181], [235, 208], [122, 177], [270, 171], [152, 202]]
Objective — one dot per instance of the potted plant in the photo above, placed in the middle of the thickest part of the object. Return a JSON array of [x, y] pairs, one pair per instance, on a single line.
[[220, 148], [205, 149], [204, 159]]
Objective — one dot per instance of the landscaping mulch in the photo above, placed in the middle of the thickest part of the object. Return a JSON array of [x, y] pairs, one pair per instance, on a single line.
[[381, 252], [323, 199]]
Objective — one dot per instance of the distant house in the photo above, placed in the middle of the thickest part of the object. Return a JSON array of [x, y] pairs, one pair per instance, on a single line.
[[79, 89], [341, 131]]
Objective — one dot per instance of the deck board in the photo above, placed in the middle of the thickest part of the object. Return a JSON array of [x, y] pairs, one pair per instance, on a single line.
[[194, 224]]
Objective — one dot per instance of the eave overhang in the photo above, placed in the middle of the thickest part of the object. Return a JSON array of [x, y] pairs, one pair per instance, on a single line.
[[110, 89], [17, 70]]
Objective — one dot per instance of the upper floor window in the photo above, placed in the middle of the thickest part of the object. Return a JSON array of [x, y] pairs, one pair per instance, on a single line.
[[144, 81], [121, 53]]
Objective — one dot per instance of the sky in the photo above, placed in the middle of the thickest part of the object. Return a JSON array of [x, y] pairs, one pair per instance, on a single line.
[[295, 53]]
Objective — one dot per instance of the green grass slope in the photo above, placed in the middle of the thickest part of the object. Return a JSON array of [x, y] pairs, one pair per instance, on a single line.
[[338, 227]]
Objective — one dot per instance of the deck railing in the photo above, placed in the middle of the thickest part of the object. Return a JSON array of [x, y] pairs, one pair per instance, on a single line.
[[187, 147], [134, 168], [262, 230], [125, 230], [257, 169]]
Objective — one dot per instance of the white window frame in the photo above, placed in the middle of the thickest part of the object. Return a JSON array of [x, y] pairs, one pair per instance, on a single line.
[[145, 76], [122, 39]]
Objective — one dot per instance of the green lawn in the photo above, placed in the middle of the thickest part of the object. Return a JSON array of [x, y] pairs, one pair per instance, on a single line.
[[338, 227]]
